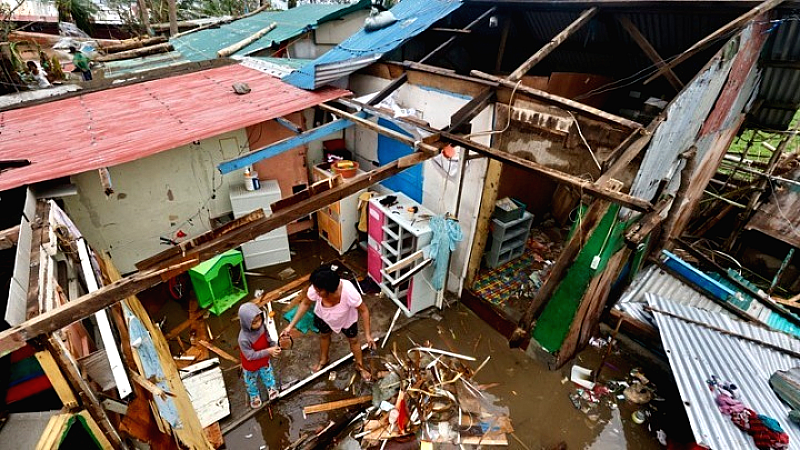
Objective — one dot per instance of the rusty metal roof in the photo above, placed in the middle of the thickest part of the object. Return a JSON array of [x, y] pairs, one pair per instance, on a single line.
[[697, 351], [106, 128]]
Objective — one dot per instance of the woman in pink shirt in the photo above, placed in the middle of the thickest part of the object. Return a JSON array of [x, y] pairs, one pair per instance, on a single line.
[[337, 305]]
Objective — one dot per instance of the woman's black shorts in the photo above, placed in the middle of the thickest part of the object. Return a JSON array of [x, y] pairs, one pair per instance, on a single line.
[[324, 328]]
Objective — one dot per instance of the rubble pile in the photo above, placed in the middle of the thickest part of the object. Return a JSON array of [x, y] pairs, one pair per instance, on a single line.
[[428, 395]]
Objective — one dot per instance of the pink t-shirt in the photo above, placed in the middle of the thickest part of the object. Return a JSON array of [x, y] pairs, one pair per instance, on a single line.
[[344, 313]]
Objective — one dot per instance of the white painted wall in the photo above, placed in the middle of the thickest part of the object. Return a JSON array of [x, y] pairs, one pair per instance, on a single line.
[[439, 191], [156, 196], [327, 36]]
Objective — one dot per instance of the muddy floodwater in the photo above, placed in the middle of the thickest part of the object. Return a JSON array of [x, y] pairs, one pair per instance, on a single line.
[[537, 399]]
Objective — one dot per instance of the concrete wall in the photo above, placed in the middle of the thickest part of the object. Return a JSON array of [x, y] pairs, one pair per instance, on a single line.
[[178, 189], [439, 191]]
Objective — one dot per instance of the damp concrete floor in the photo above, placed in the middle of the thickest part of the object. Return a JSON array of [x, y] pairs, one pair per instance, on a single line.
[[538, 399]]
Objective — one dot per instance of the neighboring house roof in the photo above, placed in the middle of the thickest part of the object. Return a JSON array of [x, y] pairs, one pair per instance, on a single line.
[[366, 47], [106, 128], [697, 351], [203, 44], [123, 67]]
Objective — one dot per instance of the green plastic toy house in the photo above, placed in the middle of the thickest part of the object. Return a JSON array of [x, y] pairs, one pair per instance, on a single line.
[[219, 283]]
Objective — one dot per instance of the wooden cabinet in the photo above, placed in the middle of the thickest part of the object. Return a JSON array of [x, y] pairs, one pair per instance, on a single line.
[[394, 234], [267, 249], [338, 222]]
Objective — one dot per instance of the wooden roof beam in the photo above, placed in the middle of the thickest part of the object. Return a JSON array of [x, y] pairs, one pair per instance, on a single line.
[[9, 237], [576, 25], [726, 29], [553, 174], [55, 319], [650, 51]]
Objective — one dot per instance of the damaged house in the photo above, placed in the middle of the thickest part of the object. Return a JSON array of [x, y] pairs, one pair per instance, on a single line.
[[562, 145]]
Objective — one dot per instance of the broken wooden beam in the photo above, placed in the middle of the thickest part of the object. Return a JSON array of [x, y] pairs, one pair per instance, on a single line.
[[214, 244], [561, 102], [339, 404], [130, 44], [217, 350], [576, 25], [555, 175], [137, 52], [55, 319], [9, 237], [716, 36], [235, 47], [648, 50]]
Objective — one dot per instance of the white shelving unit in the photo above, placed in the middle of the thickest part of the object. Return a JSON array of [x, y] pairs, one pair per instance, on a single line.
[[395, 234], [337, 223], [267, 249]]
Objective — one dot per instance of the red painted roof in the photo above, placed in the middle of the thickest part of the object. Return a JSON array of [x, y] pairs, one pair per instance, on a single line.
[[103, 129]]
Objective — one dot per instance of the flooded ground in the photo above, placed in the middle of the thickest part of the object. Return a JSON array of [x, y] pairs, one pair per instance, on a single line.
[[537, 399]]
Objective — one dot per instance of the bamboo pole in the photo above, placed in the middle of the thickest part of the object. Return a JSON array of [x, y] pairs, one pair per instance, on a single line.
[[231, 49]]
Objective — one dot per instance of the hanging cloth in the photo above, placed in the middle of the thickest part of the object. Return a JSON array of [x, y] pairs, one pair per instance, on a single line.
[[446, 235]]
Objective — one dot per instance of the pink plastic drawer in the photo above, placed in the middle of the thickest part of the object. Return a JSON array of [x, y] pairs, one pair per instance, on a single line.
[[374, 264], [375, 222]]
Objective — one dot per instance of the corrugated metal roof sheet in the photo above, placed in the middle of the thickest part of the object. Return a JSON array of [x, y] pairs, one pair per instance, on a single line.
[[780, 85], [102, 129], [363, 48], [697, 352], [113, 69], [277, 67], [657, 281], [203, 45]]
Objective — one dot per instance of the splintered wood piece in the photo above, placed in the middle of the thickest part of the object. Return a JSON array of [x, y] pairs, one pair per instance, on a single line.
[[337, 404], [214, 435], [218, 350]]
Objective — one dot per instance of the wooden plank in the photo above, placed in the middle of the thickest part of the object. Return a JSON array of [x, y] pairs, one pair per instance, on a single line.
[[69, 368], [576, 25], [276, 294], [150, 386], [179, 251], [53, 432], [207, 391], [648, 50], [397, 136], [57, 379], [720, 33], [330, 406], [250, 231], [555, 175], [9, 237], [214, 435], [493, 438], [191, 433], [235, 47], [16, 337], [488, 198], [104, 325], [217, 350], [561, 102], [471, 109]]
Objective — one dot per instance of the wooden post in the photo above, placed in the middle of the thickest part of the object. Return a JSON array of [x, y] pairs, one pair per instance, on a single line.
[[488, 198], [503, 39], [144, 16], [555, 42], [686, 178]]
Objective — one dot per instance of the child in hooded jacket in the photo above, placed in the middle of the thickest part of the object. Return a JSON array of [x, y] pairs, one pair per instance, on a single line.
[[256, 349]]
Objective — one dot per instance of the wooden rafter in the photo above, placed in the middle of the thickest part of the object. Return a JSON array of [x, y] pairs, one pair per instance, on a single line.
[[650, 51], [725, 30], [9, 237], [576, 25], [555, 175], [55, 319]]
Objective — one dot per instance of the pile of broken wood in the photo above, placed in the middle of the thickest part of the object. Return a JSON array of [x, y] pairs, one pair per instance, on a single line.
[[428, 395]]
